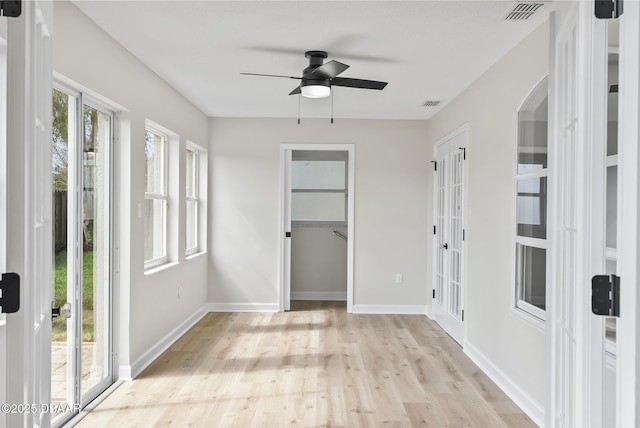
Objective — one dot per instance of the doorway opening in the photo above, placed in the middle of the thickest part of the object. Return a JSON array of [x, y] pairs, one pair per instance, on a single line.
[[81, 354], [317, 224]]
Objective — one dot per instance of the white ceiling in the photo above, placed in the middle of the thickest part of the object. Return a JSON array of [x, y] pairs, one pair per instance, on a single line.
[[426, 50]]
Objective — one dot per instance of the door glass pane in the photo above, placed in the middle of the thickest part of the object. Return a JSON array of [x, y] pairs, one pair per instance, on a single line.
[[612, 207], [531, 274], [62, 349], [95, 248]]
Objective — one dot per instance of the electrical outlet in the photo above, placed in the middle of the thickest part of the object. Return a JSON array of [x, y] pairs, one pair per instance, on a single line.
[[398, 278]]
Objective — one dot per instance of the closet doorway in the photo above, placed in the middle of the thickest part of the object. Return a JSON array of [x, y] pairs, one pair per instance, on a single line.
[[317, 223]]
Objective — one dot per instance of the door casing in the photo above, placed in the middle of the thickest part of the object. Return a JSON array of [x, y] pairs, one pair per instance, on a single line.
[[286, 150]]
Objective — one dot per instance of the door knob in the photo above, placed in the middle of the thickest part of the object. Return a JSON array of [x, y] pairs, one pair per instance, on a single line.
[[64, 310]]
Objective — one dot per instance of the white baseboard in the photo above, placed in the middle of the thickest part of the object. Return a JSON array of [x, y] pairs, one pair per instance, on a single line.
[[390, 309], [132, 371], [241, 307], [319, 295], [428, 312], [513, 391]]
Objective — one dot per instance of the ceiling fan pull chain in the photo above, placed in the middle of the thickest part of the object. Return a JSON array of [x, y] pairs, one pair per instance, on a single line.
[[332, 106]]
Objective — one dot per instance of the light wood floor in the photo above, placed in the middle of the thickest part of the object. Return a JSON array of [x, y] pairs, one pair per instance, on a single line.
[[313, 366]]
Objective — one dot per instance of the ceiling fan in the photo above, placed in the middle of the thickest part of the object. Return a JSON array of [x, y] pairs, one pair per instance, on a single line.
[[318, 78]]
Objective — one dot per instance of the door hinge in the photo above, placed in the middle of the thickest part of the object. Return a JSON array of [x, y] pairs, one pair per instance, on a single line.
[[605, 295], [608, 9], [464, 152], [463, 315], [12, 9], [464, 234], [434, 230], [434, 293], [435, 165], [10, 287]]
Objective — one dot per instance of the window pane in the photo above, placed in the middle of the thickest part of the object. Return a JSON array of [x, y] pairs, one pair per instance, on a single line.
[[318, 175], [190, 172], [192, 228], [531, 268], [318, 206], [154, 163], [154, 230], [531, 208], [532, 128]]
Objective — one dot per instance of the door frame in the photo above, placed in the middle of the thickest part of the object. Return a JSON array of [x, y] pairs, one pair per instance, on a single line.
[[286, 150], [75, 231], [464, 131]]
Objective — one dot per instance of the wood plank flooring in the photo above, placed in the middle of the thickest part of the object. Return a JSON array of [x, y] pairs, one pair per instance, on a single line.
[[315, 366]]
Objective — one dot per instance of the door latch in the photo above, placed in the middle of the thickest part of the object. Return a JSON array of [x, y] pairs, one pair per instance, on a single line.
[[605, 295], [63, 311], [10, 292]]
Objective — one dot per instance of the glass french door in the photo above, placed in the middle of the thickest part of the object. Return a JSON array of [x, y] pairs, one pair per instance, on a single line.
[[448, 309], [81, 365]]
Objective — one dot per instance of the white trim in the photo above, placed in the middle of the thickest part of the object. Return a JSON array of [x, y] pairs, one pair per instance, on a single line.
[[283, 293], [428, 312], [319, 295], [134, 370], [391, 309], [241, 307], [628, 335], [523, 400]]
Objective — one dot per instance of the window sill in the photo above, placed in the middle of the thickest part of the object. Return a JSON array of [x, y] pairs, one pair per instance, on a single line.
[[160, 268], [195, 255], [530, 319]]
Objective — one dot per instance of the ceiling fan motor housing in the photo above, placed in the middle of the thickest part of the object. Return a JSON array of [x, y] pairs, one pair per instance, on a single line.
[[316, 59]]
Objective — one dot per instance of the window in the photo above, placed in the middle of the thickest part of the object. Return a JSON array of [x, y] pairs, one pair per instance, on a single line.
[[192, 208], [156, 199], [531, 204]]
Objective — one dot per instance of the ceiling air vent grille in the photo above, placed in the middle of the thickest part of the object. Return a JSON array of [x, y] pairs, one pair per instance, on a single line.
[[523, 11], [431, 103]]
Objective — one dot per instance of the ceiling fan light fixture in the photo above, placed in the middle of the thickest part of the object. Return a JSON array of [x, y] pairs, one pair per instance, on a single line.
[[316, 89]]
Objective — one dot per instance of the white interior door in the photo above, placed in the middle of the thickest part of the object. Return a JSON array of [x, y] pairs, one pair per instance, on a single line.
[[595, 156], [449, 197], [28, 210]]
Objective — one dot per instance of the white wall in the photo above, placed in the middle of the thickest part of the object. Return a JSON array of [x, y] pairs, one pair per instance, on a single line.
[[509, 346], [391, 208], [149, 306], [318, 262]]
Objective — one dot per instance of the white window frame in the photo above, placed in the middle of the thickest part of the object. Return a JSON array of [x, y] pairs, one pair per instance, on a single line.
[[530, 313], [163, 196], [195, 198]]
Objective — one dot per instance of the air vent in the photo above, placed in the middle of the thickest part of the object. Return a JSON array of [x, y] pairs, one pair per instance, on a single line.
[[523, 11], [431, 103]]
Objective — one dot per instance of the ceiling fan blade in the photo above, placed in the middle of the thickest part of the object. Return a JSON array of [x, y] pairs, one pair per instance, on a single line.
[[271, 75], [296, 91], [330, 69], [358, 83]]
